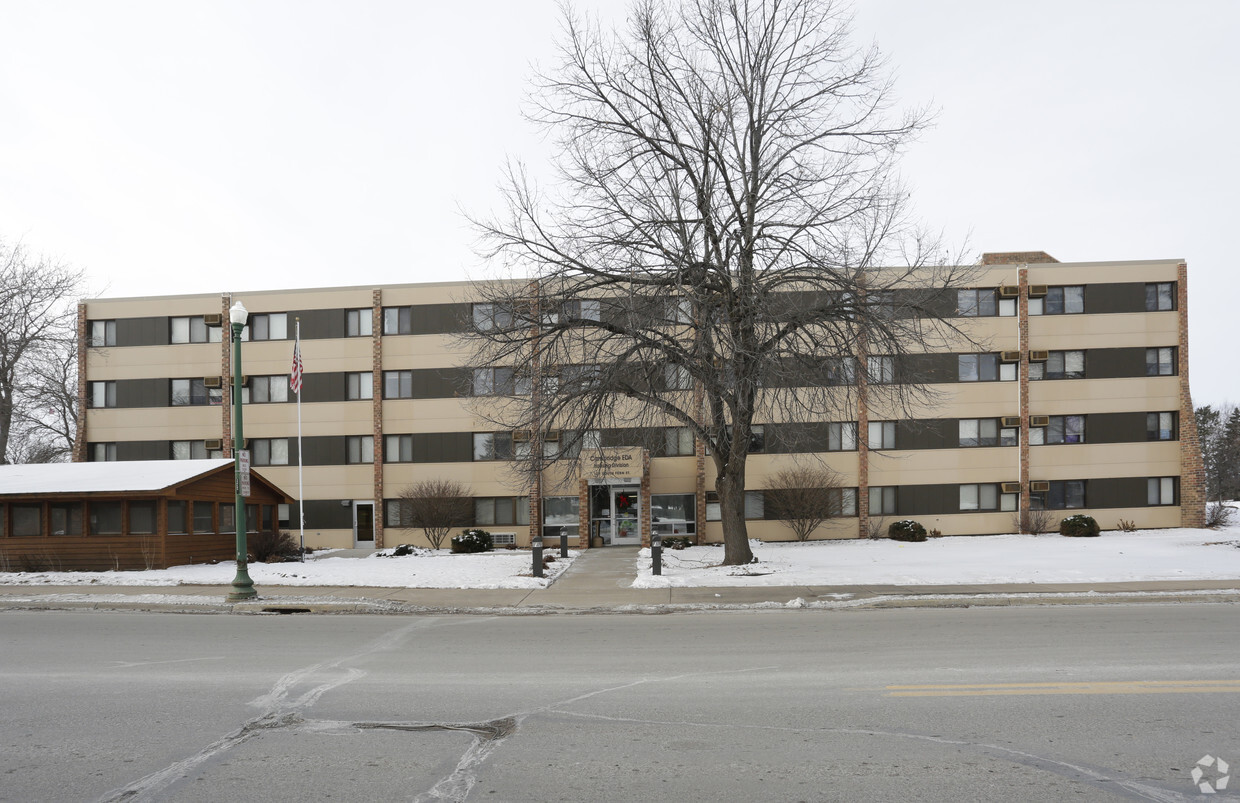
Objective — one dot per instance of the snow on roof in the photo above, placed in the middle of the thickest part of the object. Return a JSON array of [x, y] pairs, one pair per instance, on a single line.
[[132, 475]]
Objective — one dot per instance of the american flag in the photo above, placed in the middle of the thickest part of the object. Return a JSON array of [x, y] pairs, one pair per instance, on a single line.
[[294, 381]]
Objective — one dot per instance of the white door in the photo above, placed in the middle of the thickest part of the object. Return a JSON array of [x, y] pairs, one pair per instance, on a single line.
[[626, 516]]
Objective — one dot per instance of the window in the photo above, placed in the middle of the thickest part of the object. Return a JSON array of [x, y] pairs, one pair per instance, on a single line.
[[1160, 361], [977, 367], [1160, 297], [27, 520], [842, 436], [841, 370], [843, 501], [980, 432], [986, 496], [105, 518], [398, 448], [677, 377], [188, 329], [397, 513], [673, 514], [360, 385], [282, 515], [269, 326], [1160, 491], [495, 382], [1063, 494], [501, 510], [1063, 301], [881, 370], [1007, 307], [268, 389], [755, 505], [102, 333], [487, 317], [66, 518], [882, 500], [679, 441], [177, 518], [1065, 429], [101, 452], [882, 435], [583, 310], [398, 384], [101, 394], [1059, 365], [1160, 426], [678, 310], [976, 303], [190, 392], [269, 451], [360, 449], [204, 517], [757, 438], [228, 518], [192, 450], [358, 323], [141, 518], [492, 446], [397, 320]]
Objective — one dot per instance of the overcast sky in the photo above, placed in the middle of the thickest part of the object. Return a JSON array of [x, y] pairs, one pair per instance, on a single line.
[[232, 145]]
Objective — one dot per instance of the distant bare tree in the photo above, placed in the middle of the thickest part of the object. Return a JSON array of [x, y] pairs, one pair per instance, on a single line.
[[436, 507], [45, 421], [804, 497], [37, 328], [730, 243]]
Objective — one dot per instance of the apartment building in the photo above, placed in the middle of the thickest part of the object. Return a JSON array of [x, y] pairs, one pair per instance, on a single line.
[[1078, 402]]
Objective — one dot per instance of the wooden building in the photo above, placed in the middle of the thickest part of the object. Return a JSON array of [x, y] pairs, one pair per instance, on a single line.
[[148, 514]]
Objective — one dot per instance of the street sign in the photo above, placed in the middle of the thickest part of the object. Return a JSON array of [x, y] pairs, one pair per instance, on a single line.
[[243, 477]]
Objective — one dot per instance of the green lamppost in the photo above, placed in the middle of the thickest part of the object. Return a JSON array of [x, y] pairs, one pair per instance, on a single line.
[[242, 585]]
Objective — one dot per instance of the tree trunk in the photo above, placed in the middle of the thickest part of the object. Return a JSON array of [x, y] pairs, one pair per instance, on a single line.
[[731, 489]]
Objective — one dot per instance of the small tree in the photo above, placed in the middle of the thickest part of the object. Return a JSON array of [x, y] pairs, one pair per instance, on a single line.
[[804, 497], [436, 506]]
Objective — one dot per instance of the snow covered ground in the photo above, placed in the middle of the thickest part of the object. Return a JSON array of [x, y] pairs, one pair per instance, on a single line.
[[1178, 554]]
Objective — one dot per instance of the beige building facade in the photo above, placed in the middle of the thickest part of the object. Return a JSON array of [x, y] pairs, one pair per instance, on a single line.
[[1076, 401]]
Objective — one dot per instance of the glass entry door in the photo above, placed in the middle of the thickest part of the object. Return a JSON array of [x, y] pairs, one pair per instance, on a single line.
[[616, 514], [363, 524]]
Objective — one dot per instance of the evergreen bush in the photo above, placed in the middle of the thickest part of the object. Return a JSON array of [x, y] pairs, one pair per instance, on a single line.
[[472, 541], [1080, 526], [906, 530]]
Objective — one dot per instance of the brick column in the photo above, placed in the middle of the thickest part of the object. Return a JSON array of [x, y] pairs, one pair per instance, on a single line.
[[376, 407], [699, 465], [583, 514], [863, 440], [226, 374], [1022, 312], [647, 517], [1192, 470], [79, 437]]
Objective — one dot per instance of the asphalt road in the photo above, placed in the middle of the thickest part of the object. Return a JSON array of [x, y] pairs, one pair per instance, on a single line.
[[1029, 704]]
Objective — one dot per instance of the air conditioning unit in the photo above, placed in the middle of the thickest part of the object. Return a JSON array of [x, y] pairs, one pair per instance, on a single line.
[[213, 444], [1037, 290], [1039, 356], [521, 436], [212, 381], [1039, 487], [245, 380], [1009, 291], [1009, 356], [212, 320], [1039, 420], [1011, 420], [1010, 487], [551, 435], [503, 539]]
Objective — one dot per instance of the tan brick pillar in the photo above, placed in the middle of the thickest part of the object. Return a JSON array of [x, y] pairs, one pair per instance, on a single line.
[[79, 437], [1192, 470], [583, 514], [376, 407], [647, 516], [1022, 311], [226, 385], [863, 440]]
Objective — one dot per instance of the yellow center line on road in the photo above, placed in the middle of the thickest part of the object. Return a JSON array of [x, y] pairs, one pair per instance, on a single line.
[[1087, 687]]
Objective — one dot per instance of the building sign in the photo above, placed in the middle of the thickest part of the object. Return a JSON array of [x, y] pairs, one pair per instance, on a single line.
[[243, 476], [616, 464]]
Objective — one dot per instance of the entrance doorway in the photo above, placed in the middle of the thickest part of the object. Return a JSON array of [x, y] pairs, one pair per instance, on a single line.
[[363, 524], [615, 514]]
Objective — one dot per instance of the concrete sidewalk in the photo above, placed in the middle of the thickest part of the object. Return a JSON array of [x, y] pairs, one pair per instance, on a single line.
[[599, 580]]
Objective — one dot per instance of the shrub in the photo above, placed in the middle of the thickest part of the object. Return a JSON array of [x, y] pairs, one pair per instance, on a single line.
[[1219, 514], [676, 542], [1032, 521], [472, 541], [1080, 526], [906, 530], [936, 533], [1127, 525], [272, 547]]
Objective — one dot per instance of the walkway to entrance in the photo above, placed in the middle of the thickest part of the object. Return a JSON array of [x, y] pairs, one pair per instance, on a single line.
[[600, 578]]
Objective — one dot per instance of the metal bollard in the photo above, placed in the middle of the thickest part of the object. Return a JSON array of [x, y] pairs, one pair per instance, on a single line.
[[563, 543], [538, 560], [656, 554]]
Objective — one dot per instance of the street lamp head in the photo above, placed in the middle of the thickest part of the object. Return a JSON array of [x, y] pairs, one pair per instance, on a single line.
[[238, 314]]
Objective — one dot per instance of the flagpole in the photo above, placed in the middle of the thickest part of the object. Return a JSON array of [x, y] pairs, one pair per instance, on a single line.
[[301, 497]]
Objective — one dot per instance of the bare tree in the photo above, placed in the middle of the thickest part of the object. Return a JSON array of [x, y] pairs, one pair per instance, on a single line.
[[719, 250], [436, 506], [45, 420], [804, 497], [37, 326]]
